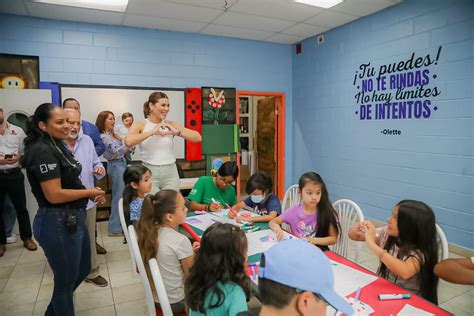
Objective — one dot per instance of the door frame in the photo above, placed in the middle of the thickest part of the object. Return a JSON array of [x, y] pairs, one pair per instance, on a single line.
[[280, 137]]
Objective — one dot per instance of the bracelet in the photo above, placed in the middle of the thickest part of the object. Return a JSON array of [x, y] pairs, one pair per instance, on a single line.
[[179, 133], [207, 207], [380, 256]]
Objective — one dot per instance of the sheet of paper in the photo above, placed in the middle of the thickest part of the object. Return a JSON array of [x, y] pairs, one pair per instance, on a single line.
[[347, 280], [224, 213], [202, 222], [262, 240], [360, 308], [410, 310]]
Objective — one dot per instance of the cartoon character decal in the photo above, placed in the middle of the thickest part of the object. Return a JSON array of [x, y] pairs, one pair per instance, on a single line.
[[13, 81]]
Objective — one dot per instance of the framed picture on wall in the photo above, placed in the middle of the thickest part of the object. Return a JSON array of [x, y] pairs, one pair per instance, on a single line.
[[19, 71], [218, 105]]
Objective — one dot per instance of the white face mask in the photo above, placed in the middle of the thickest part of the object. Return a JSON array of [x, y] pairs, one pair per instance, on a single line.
[[257, 198]]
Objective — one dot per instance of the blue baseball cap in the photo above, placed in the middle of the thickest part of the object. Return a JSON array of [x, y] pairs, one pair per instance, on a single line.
[[303, 266]]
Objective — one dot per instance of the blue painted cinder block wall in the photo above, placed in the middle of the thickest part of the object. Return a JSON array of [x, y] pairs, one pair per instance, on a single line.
[[432, 159], [95, 54]]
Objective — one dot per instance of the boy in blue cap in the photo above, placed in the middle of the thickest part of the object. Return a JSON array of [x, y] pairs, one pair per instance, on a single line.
[[296, 278]]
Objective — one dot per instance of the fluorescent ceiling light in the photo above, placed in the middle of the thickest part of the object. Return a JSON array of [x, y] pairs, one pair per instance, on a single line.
[[320, 3], [108, 5]]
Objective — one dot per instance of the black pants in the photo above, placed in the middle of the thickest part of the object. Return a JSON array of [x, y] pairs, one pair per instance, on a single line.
[[14, 184]]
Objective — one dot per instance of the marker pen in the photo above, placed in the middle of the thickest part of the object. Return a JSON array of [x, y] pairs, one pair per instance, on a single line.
[[252, 271], [386, 297], [253, 229], [356, 296]]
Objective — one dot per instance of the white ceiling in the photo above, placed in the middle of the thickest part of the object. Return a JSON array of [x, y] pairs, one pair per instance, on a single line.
[[280, 21]]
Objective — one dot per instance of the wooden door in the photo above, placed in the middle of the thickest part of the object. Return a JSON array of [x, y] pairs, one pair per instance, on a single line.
[[266, 137]]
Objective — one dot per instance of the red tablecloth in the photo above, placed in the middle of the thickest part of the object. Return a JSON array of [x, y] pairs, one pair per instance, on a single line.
[[369, 294]]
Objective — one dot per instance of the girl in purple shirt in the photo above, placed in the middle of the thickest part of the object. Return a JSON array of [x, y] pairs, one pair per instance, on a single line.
[[314, 219]]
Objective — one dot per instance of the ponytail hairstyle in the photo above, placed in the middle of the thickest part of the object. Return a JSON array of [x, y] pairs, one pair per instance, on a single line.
[[154, 209], [133, 173], [100, 121], [416, 238], [229, 168], [326, 215], [221, 258], [42, 114], [153, 98]]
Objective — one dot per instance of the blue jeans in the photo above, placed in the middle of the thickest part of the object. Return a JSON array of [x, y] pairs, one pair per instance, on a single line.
[[9, 216], [115, 169], [68, 254]]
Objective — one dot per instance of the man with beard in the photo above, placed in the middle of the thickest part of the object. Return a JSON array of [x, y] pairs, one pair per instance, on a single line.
[[83, 149], [90, 130]]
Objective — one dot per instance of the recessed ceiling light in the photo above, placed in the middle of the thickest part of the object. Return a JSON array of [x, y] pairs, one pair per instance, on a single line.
[[107, 5], [320, 3]]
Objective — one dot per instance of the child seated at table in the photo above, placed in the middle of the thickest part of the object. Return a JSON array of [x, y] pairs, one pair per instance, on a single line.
[[158, 238], [261, 200], [212, 193], [314, 219], [138, 183], [217, 284], [296, 278], [459, 270], [406, 247]]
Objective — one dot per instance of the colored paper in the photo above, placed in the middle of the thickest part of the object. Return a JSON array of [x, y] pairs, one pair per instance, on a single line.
[[202, 222], [218, 139]]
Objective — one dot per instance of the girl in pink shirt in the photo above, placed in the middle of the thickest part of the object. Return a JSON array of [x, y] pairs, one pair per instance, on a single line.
[[314, 219]]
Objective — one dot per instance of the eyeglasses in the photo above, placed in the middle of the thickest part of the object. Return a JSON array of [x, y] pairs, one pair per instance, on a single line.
[[223, 182]]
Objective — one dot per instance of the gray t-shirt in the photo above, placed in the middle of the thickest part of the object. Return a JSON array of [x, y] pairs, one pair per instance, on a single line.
[[172, 247], [412, 284]]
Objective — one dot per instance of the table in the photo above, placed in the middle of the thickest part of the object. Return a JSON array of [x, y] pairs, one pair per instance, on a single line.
[[261, 225], [369, 293]]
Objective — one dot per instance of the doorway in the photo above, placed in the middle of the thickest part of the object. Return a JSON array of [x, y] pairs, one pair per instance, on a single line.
[[261, 120]]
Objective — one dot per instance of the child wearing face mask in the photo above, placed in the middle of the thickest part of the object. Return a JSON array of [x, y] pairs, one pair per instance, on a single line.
[[261, 200]]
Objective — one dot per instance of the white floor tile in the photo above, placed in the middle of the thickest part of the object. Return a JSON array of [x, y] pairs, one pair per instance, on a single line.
[[94, 299], [128, 293], [136, 308]]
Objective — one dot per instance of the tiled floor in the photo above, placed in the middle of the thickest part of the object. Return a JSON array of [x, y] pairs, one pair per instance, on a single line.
[[26, 284]]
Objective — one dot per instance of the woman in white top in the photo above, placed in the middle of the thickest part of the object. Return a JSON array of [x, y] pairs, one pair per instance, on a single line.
[[155, 136]]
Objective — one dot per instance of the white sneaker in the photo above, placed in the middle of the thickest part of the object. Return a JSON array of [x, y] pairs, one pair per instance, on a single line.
[[11, 239]]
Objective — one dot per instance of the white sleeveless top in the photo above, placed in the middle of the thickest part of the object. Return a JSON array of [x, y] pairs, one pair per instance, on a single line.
[[156, 150]]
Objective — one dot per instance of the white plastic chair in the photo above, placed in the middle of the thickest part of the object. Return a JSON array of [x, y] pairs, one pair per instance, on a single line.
[[150, 302], [127, 237], [160, 287], [291, 198], [443, 243], [349, 214]]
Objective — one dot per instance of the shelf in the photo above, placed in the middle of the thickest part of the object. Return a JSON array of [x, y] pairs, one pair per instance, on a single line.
[[244, 135], [244, 115]]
